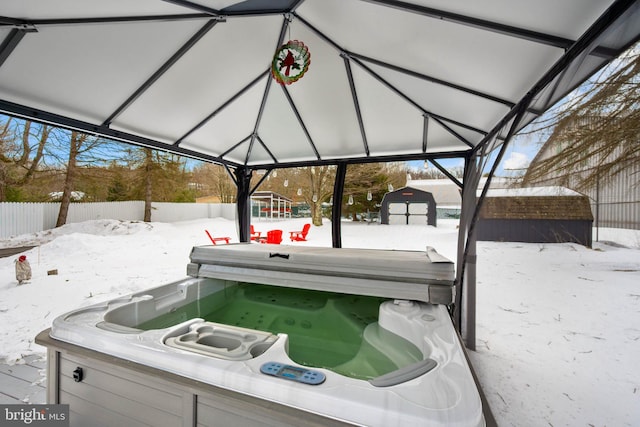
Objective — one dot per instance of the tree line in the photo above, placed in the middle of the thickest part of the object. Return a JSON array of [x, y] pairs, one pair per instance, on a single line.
[[39, 162]]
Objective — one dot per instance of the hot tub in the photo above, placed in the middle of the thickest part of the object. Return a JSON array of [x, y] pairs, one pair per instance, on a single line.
[[352, 336]]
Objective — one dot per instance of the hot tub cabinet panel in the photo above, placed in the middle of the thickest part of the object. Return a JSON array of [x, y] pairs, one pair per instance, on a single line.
[[106, 394], [346, 340], [117, 392]]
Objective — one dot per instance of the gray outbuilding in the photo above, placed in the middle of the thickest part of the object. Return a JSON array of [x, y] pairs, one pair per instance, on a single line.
[[408, 205], [536, 216]]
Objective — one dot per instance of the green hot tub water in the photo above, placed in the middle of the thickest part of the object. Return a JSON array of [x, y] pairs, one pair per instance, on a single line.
[[325, 329]]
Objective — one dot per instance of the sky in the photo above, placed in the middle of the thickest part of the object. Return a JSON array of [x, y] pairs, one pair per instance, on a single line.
[[520, 152], [558, 333], [516, 160]]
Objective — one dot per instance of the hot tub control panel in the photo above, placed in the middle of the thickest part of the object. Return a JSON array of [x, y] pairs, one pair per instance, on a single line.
[[294, 373]]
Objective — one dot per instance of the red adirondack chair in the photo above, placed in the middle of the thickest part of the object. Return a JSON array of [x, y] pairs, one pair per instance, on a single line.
[[300, 236], [255, 235], [273, 236], [217, 239]]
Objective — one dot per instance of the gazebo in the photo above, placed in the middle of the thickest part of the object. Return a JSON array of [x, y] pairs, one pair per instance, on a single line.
[[255, 85]]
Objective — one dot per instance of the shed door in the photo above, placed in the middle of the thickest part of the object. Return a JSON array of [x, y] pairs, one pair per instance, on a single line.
[[418, 213], [397, 213], [409, 213]]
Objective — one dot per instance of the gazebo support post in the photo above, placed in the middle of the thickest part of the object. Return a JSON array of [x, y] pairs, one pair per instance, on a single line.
[[470, 295], [464, 315], [336, 209], [243, 202]]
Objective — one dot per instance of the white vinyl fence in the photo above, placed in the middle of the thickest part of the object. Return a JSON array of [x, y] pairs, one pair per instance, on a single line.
[[23, 218]]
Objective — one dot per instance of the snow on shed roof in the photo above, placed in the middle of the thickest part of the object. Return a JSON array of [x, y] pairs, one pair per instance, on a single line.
[[552, 203], [531, 192]]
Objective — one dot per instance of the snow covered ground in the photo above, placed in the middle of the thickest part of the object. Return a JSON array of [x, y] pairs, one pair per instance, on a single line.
[[558, 325]]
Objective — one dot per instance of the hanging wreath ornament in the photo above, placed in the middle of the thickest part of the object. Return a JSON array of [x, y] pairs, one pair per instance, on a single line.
[[290, 62]]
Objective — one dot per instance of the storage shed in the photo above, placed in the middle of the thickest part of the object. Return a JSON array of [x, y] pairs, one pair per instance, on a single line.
[[408, 205], [536, 215]]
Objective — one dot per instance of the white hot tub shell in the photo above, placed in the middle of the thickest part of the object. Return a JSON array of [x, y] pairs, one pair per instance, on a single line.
[[434, 388]]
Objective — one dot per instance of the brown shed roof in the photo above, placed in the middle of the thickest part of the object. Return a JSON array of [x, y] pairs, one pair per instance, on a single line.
[[537, 207]]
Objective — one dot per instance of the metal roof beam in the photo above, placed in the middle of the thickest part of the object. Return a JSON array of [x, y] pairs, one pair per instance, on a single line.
[[10, 43], [222, 107], [371, 159], [5, 21], [396, 90], [248, 153], [163, 69], [430, 79], [302, 124], [195, 6], [447, 173], [354, 96], [265, 96], [295, 5], [11, 22], [18, 24], [260, 181], [263, 103], [239, 13], [436, 117], [231, 175], [425, 132], [261, 142], [521, 33], [319, 33], [41, 116], [236, 145]]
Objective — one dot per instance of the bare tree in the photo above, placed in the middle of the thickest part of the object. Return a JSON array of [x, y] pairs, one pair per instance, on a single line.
[[597, 133], [314, 186], [213, 180], [21, 152], [148, 168], [83, 150], [76, 142]]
